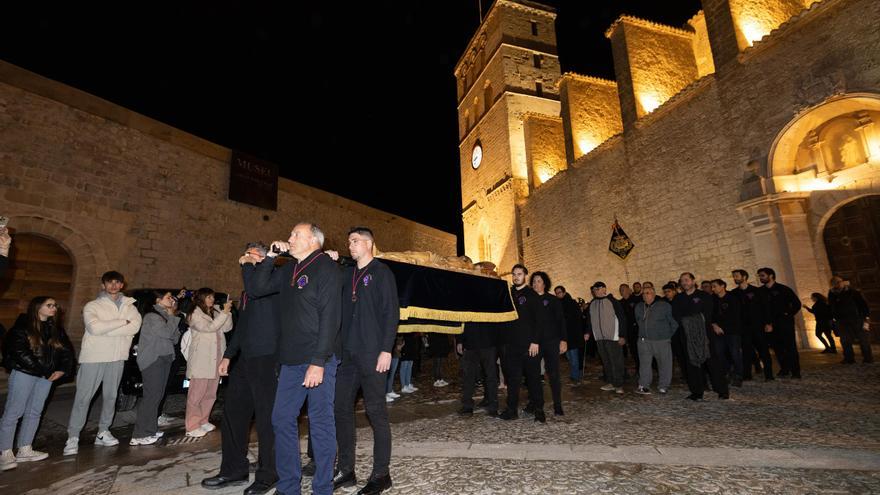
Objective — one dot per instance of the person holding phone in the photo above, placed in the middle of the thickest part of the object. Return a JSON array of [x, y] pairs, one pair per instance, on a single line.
[[208, 324]]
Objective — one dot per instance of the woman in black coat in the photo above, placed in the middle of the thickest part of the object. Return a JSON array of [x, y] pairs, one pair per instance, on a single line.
[[438, 348], [37, 352], [822, 311], [409, 353]]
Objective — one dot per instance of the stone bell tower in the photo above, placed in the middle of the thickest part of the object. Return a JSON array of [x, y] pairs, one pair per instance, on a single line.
[[509, 69]]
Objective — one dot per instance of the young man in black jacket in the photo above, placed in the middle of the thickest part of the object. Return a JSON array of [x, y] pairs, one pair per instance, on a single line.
[[726, 333], [693, 308], [370, 316], [308, 346], [782, 304], [755, 316], [574, 326], [252, 384], [521, 348], [850, 311]]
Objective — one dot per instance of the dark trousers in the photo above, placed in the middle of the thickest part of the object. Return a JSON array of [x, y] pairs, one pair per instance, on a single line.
[[514, 362], [678, 351], [632, 346], [550, 353], [850, 330], [355, 373], [785, 346], [823, 331], [754, 342], [471, 362], [155, 377], [251, 394], [289, 398], [611, 354], [696, 380], [728, 348]]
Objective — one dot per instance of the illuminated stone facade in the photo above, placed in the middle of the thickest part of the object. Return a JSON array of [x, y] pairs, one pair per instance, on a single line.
[[726, 143]]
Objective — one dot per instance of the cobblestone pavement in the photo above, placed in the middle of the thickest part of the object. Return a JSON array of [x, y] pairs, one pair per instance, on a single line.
[[833, 407]]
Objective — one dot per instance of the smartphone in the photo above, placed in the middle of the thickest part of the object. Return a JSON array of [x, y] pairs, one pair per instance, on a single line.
[[4, 221]]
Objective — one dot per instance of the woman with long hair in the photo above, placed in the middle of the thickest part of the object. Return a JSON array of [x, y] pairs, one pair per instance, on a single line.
[[38, 352], [207, 324], [822, 311], [551, 321], [155, 353]]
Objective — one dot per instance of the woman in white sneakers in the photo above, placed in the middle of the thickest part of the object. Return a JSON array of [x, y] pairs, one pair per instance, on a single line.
[[207, 324], [38, 352], [159, 333]]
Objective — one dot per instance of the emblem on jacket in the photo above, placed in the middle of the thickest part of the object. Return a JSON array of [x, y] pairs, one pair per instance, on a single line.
[[302, 281], [546, 302], [521, 299], [367, 279]]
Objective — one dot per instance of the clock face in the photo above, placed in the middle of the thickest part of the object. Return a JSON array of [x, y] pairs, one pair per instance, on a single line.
[[477, 155]]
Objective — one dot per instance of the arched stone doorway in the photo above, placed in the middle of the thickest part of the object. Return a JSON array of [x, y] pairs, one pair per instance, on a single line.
[[852, 242], [39, 266], [827, 157]]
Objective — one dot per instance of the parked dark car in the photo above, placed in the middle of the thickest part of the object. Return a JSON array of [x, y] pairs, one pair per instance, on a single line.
[[131, 386]]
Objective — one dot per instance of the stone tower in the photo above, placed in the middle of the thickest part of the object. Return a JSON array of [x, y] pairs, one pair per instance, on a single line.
[[509, 71]]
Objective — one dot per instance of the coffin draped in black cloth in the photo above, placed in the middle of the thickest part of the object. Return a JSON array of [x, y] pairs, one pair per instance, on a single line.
[[436, 300]]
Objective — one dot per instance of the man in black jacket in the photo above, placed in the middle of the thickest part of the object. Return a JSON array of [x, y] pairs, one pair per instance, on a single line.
[[782, 304], [726, 333], [252, 384], [693, 308], [521, 346], [370, 315], [850, 311], [755, 315], [308, 346]]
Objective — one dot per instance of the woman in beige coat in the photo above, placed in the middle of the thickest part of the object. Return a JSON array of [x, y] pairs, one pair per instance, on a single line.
[[207, 324]]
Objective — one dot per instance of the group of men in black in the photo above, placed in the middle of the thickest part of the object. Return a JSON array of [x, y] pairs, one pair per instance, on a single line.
[[317, 331], [312, 332]]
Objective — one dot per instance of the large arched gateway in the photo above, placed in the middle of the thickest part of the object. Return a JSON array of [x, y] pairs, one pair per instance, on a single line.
[[815, 210]]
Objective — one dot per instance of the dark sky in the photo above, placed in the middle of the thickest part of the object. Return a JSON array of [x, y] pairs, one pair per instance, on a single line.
[[321, 89]]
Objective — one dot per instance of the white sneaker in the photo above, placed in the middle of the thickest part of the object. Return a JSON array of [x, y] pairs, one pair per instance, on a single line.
[[143, 441], [197, 433], [393, 395], [208, 427], [106, 439], [441, 383], [388, 398], [28, 454], [159, 434], [643, 390], [618, 390], [408, 389], [663, 391], [71, 447], [164, 420], [609, 387], [7, 460]]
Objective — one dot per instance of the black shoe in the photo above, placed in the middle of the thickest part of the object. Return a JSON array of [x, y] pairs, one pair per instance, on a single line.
[[695, 398], [466, 411], [344, 480], [769, 378], [724, 396], [539, 416], [309, 469], [220, 481], [783, 374], [492, 413], [483, 403], [557, 411], [508, 415], [258, 488], [376, 485], [848, 361]]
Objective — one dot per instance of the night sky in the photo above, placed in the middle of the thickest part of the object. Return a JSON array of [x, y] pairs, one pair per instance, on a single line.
[[368, 86]]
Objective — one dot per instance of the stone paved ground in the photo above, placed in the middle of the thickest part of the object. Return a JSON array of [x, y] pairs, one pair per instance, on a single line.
[[833, 411]]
